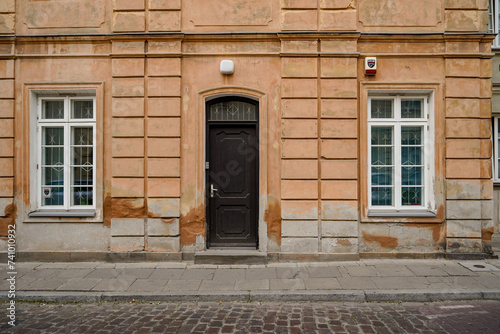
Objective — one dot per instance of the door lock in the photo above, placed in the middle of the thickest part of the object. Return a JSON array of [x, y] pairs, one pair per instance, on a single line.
[[212, 189]]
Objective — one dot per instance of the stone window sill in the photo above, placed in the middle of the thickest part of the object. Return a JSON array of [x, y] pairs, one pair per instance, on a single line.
[[406, 214], [62, 216]]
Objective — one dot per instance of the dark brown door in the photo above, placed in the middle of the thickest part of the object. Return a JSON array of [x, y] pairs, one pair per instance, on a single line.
[[232, 184]]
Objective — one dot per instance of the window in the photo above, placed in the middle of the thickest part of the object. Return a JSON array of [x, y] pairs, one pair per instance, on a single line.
[[493, 20], [401, 153], [66, 152], [496, 150]]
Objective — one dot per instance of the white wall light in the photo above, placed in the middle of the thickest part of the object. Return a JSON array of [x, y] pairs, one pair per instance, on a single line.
[[226, 67]]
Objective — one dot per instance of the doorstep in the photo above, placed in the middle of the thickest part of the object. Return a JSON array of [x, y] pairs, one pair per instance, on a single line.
[[230, 256]]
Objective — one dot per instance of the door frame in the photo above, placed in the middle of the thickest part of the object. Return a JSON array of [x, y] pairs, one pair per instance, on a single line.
[[208, 216], [193, 161]]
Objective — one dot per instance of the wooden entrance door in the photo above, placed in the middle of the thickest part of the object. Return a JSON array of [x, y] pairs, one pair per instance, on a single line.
[[232, 178]]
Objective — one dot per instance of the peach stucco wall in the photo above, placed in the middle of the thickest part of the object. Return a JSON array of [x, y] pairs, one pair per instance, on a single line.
[[153, 64]]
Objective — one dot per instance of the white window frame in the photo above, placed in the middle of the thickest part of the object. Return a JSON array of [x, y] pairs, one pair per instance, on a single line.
[[496, 150], [493, 21], [67, 123], [427, 122]]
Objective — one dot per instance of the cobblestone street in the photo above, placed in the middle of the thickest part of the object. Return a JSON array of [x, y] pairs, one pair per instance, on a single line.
[[256, 317]]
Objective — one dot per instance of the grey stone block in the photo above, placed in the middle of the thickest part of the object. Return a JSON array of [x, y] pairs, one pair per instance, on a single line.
[[487, 209], [127, 227], [464, 209], [339, 245], [127, 244], [302, 228], [164, 207], [299, 245], [462, 245], [463, 228], [339, 228], [339, 210], [164, 244], [463, 189], [4, 203], [163, 227]]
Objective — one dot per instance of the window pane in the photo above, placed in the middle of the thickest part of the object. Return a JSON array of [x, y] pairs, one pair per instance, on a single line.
[[381, 135], [232, 111], [382, 109], [81, 176], [411, 176], [53, 136], [83, 156], [82, 136], [52, 196], [411, 156], [382, 196], [81, 196], [82, 109], [412, 109], [53, 176], [382, 176], [52, 156], [381, 155], [52, 109], [411, 135], [82, 168], [411, 195]]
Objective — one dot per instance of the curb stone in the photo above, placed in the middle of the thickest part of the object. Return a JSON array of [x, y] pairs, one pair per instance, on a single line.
[[359, 296]]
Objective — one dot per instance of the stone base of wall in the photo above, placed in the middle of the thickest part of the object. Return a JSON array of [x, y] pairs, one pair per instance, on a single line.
[[95, 257], [271, 257]]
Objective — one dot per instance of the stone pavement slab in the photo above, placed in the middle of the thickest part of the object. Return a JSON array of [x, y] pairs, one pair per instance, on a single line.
[[354, 283], [103, 273], [182, 285], [113, 284], [198, 274], [147, 285], [261, 273], [322, 284], [295, 281], [161, 274], [428, 270], [252, 285], [394, 270], [287, 284], [79, 284], [323, 272], [361, 271]]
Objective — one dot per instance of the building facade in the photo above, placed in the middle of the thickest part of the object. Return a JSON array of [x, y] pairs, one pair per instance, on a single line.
[[158, 129]]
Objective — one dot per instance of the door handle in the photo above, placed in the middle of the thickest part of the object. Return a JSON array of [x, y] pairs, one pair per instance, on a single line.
[[212, 189]]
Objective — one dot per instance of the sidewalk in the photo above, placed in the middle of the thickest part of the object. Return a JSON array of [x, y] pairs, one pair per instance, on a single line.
[[360, 281]]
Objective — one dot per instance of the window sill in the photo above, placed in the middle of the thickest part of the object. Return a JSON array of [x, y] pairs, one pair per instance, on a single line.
[[406, 214], [63, 214]]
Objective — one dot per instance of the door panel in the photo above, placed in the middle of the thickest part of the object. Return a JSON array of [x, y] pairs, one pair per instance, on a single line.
[[233, 208]]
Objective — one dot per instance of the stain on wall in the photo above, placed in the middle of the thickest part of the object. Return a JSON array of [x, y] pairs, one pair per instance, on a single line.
[[273, 220], [192, 225], [383, 241]]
